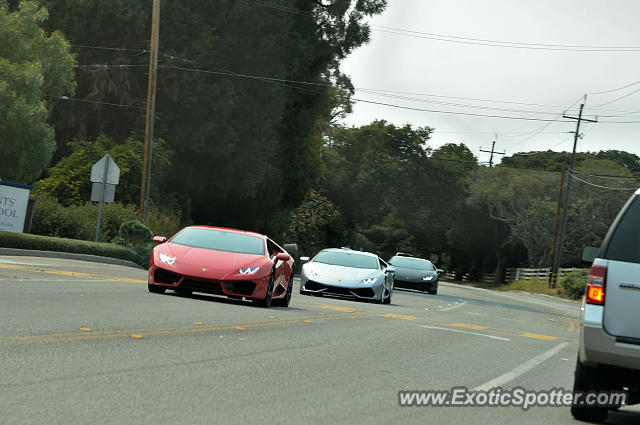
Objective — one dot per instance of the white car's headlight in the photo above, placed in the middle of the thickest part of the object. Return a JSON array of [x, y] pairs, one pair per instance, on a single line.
[[249, 270], [427, 278], [369, 281], [166, 259], [312, 273]]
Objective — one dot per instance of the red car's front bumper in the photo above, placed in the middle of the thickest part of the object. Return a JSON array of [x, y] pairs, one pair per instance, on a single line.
[[249, 287]]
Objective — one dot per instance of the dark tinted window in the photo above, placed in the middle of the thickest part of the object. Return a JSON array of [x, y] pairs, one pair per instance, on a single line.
[[347, 259], [624, 241], [412, 263], [220, 240]]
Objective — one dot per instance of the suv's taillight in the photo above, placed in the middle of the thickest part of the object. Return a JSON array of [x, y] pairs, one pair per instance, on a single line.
[[596, 283]]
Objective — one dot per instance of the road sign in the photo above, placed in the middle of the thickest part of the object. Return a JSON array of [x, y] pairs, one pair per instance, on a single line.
[[105, 175], [105, 171], [97, 192]]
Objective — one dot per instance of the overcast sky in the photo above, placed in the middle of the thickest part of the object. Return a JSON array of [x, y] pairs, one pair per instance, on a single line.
[[553, 80]]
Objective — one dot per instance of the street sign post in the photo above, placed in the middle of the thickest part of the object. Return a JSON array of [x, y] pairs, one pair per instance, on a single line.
[[105, 175]]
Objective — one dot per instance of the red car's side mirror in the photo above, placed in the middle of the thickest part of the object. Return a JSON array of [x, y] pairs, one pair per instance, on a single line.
[[283, 256], [159, 239]]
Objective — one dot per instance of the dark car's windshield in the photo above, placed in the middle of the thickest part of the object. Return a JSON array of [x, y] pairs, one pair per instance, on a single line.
[[220, 240], [347, 259], [412, 263]]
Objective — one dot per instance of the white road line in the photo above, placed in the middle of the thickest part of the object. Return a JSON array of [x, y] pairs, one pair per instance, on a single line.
[[453, 306], [465, 332], [522, 369]]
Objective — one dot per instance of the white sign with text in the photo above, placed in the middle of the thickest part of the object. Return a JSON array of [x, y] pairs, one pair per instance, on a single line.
[[13, 208]]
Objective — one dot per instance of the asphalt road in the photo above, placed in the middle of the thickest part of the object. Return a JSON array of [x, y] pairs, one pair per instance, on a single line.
[[85, 343]]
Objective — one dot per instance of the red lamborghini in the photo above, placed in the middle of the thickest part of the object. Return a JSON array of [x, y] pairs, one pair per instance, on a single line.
[[221, 261]]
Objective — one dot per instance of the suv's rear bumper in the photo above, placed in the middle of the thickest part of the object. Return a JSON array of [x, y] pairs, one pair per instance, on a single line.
[[599, 347]]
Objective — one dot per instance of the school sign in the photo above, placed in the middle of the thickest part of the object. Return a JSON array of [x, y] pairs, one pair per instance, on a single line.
[[14, 199]]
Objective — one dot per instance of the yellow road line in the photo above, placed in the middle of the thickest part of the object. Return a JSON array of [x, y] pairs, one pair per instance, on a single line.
[[71, 274], [398, 316], [468, 326], [66, 337], [334, 307], [538, 336]]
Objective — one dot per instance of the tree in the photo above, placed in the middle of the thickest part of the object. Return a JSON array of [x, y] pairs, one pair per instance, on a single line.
[[246, 136], [36, 69], [526, 201], [315, 222], [69, 182]]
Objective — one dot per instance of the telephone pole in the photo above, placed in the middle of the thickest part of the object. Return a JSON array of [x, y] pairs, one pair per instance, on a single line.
[[151, 108], [565, 209], [553, 276], [492, 151]]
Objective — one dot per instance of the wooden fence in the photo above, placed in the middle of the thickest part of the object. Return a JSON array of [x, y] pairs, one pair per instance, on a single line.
[[513, 274]]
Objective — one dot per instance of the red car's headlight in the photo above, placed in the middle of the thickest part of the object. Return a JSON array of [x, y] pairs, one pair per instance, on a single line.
[[248, 270]]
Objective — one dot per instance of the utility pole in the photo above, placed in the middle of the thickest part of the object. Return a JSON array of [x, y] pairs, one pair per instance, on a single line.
[[151, 108], [565, 210], [553, 276], [492, 151]]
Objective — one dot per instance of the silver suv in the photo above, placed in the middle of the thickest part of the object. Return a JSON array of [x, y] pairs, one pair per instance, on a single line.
[[609, 357]]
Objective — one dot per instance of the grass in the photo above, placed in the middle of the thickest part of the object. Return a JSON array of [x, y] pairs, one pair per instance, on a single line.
[[48, 243], [536, 286]]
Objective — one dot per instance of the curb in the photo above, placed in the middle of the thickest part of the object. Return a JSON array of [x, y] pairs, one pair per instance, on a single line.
[[67, 255]]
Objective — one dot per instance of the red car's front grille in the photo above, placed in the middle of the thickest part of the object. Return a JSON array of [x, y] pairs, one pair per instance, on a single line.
[[210, 287], [165, 276], [243, 287]]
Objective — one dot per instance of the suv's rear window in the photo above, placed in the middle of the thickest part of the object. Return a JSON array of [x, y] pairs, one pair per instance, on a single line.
[[624, 242]]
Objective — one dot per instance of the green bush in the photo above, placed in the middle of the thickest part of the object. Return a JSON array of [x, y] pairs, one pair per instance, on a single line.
[[573, 284], [47, 243], [163, 222], [50, 218], [133, 233]]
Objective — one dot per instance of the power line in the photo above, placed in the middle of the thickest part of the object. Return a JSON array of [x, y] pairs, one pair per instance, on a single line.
[[614, 90], [514, 44], [616, 99], [101, 103], [451, 112], [377, 92], [467, 40], [538, 130], [607, 176], [504, 44], [600, 186]]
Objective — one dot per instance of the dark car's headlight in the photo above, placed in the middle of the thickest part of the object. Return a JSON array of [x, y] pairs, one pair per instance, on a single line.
[[427, 278]]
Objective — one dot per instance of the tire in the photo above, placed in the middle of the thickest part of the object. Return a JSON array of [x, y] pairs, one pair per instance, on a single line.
[[266, 302], [382, 297], [156, 289], [434, 290], [284, 302], [388, 299], [587, 379]]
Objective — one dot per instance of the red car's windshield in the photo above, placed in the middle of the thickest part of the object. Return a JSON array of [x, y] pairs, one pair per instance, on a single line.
[[220, 240]]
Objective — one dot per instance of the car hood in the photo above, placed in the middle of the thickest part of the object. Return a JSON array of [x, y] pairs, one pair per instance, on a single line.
[[339, 275], [207, 263]]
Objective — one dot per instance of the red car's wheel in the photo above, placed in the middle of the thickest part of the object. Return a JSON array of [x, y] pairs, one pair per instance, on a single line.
[[284, 302], [266, 302]]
